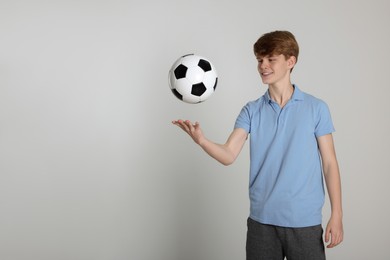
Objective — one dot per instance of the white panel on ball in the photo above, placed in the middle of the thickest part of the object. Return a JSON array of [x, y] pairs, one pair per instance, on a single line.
[[192, 78]]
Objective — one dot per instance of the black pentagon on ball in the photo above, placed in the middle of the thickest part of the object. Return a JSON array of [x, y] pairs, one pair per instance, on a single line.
[[177, 94], [205, 65], [216, 82], [180, 71], [198, 89]]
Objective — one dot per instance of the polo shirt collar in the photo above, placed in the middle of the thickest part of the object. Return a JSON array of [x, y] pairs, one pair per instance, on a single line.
[[296, 96]]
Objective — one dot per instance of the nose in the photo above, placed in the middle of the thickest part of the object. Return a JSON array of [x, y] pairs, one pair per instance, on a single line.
[[263, 64]]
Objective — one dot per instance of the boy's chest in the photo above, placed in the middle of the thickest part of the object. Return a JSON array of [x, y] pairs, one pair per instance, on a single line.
[[293, 120]]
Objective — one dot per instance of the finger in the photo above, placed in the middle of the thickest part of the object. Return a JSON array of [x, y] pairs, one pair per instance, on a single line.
[[190, 126], [188, 123], [331, 243], [338, 239], [332, 238], [177, 121], [334, 241], [182, 125], [327, 235]]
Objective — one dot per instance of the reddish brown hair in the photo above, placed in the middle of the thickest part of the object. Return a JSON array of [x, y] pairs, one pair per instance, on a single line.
[[276, 43]]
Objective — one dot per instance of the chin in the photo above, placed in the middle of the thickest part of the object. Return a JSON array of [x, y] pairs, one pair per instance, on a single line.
[[265, 81]]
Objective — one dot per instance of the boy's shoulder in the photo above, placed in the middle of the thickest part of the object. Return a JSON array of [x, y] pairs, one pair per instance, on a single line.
[[255, 105], [308, 99], [313, 100]]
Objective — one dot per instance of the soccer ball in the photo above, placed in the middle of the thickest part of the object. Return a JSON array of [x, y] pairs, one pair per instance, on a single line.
[[192, 79]]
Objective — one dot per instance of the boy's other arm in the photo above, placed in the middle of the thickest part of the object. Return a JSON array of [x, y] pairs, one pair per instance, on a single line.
[[223, 153], [334, 230]]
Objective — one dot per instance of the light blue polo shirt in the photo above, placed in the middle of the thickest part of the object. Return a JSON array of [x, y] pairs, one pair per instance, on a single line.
[[286, 185]]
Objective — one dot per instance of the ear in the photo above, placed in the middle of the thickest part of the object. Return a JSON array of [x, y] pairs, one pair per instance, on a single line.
[[291, 61]]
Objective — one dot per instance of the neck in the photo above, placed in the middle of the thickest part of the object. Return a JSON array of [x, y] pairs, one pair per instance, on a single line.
[[281, 94]]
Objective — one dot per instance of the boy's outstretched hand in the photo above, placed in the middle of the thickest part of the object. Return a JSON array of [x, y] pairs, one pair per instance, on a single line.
[[192, 130]]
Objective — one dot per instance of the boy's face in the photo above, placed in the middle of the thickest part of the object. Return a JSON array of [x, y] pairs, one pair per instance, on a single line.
[[275, 68]]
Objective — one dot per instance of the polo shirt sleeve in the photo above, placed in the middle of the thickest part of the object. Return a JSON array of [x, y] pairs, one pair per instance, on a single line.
[[243, 119], [324, 121]]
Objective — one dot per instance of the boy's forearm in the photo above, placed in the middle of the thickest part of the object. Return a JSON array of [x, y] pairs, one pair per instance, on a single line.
[[333, 184], [331, 173], [228, 152], [217, 151]]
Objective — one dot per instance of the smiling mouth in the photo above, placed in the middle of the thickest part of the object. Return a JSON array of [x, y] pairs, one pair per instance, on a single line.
[[266, 73]]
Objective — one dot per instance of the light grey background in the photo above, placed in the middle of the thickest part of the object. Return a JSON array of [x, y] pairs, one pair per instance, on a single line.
[[90, 165]]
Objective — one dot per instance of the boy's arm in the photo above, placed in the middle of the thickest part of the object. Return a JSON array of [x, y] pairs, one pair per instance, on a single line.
[[334, 230], [223, 153]]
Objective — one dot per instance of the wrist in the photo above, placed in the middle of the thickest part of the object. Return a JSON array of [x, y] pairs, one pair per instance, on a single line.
[[201, 141], [337, 213]]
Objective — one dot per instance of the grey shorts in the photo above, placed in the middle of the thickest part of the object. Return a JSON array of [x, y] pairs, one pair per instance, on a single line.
[[275, 243]]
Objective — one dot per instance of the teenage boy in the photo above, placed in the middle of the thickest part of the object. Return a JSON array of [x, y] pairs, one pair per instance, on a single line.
[[291, 146]]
